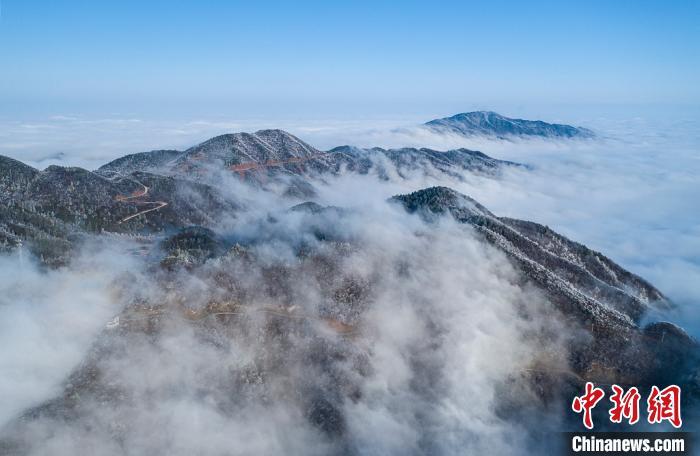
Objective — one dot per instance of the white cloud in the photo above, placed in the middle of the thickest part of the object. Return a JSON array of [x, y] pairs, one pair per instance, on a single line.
[[442, 334]]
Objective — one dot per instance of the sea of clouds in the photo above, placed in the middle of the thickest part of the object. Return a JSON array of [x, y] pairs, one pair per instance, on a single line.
[[447, 327], [631, 194]]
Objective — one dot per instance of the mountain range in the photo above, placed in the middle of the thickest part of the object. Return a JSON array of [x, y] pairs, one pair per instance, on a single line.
[[250, 285], [46, 208], [593, 295]]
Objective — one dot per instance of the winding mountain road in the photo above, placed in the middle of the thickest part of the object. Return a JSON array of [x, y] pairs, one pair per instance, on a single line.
[[135, 198]]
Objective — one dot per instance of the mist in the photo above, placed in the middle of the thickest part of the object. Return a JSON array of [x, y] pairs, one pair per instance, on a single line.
[[630, 194], [434, 325], [410, 338], [49, 319]]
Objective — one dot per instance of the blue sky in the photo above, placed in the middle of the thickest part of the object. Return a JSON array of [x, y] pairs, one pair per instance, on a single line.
[[175, 58]]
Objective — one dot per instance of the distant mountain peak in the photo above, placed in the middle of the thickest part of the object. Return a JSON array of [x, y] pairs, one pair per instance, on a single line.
[[489, 123]]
